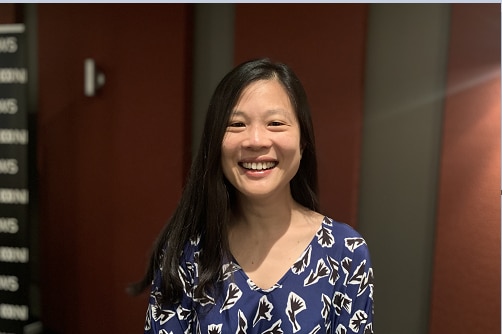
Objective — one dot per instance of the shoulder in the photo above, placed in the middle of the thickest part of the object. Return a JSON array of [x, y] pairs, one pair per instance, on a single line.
[[192, 249], [342, 230], [339, 229], [341, 238], [189, 250]]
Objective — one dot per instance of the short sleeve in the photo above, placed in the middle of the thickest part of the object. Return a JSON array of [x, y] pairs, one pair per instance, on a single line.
[[354, 303], [171, 318]]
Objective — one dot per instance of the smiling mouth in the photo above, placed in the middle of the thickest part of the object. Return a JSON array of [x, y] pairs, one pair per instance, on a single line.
[[258, 165]]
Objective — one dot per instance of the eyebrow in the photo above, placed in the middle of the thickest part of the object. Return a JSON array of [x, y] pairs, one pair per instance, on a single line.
[[267, 112]]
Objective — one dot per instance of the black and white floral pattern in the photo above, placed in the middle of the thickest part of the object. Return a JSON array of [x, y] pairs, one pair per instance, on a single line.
[[329, 289]]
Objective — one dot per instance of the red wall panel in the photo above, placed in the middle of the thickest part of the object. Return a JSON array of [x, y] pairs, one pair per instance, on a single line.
[[325, 46], [466, 279], [111, 167]]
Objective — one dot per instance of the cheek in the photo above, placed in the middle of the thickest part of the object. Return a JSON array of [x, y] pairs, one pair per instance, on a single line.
[[226, 151], [227, 158], [228, 143], [291, 146], [230, 146]]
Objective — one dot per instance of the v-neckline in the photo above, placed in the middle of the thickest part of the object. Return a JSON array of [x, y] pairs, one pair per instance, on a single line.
[[287, 273]]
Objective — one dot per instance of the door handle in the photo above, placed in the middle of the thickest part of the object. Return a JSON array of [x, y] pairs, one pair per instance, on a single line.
[[94, 79]]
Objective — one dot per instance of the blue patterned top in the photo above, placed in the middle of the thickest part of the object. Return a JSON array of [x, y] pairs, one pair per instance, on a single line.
[[328, 290]]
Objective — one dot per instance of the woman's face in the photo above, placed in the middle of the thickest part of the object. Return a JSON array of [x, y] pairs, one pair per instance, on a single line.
[[261, 147]]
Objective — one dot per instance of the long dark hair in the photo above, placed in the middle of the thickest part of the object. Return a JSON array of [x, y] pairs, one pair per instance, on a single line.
[[208, 198]]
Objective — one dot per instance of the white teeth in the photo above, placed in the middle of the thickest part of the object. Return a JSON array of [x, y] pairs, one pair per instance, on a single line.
[[258, 165]]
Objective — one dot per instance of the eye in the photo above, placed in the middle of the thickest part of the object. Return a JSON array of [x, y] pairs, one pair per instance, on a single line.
[[276, 123], [236, 124]]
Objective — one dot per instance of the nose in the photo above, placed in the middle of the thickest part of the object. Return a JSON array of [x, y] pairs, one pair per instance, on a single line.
[[257, 137]]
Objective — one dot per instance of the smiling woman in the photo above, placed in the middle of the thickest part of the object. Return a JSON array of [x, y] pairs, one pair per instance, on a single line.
[[261, 149], [246, 249]]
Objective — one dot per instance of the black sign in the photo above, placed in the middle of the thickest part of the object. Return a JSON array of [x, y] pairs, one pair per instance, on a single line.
[[14, 193]]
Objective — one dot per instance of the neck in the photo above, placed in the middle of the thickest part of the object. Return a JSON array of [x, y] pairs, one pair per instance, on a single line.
[[266, 217]]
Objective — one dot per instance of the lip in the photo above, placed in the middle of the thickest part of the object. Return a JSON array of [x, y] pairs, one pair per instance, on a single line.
[[259, 159], [260, 165]]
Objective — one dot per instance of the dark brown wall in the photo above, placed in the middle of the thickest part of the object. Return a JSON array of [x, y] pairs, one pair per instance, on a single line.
[[8, 13], [111, 167], [466, 281], [325, 46]]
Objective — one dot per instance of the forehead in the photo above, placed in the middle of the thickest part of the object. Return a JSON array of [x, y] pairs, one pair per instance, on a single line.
[[269, 94]]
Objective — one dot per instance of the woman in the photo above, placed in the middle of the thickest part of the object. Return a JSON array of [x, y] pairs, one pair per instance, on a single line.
[[246, 250]]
